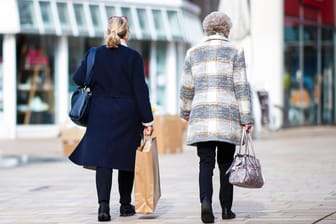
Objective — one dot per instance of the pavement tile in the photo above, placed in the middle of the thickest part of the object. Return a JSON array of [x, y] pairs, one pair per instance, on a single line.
[[298, 165]]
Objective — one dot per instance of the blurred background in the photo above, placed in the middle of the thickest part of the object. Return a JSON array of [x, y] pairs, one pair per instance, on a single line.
[[290, 50]]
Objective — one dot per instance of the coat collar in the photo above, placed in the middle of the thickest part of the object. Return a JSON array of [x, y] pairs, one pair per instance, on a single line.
[[216, 37], [123, 42]]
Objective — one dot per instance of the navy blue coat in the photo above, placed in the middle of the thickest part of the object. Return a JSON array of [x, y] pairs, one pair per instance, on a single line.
[[120, 104]]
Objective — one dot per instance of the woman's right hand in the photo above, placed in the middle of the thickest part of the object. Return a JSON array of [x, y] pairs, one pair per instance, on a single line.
[[148, 130], [248, 127]]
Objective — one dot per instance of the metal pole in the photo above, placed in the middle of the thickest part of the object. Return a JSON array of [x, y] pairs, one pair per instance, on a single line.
[[319, 64], [301, 55]]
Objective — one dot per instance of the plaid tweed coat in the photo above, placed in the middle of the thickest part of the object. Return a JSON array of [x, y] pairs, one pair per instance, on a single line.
[[215, 93]]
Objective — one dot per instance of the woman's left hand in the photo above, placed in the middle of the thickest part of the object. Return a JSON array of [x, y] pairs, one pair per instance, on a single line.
[[149, 130]]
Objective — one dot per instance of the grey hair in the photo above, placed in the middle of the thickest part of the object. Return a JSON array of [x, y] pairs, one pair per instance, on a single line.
[[217, 23]]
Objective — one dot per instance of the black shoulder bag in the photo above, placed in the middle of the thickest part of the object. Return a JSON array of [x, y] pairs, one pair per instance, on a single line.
[[80, 99]]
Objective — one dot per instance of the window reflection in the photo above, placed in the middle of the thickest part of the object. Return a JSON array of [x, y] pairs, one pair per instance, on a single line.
[[159, 25], [110, 11], [127, 12], [80, 17], [96, 19], [174, 25], [161, 78], [64, 16], [47, 16], [27, 14], [143, 21]]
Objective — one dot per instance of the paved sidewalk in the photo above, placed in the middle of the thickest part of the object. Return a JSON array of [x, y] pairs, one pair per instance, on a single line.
[[298, 164]]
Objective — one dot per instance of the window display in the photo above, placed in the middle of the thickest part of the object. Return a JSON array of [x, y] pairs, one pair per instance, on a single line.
[[35, 90], [308, 78]]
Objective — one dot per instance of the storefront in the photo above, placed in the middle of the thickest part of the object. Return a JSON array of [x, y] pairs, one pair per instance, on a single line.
[[1, 76], [309, 52], [39, 57], [290, 48]]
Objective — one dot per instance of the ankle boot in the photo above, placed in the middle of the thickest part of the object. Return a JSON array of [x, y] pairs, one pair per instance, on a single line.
[[127, 210], [227, 213], [206, 212], [104, 212]]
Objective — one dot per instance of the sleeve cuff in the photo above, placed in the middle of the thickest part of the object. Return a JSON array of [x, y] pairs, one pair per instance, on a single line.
[[148, 123]]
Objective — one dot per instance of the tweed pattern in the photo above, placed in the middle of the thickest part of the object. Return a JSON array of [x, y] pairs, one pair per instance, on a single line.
[[215, 93]]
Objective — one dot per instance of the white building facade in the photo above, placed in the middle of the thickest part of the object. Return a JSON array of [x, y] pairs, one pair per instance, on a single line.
[[44, 41]]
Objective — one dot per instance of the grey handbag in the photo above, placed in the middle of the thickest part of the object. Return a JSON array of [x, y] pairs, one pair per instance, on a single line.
[[245, 170]]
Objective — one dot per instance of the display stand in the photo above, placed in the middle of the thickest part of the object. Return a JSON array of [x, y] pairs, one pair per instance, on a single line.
[[38, 86]]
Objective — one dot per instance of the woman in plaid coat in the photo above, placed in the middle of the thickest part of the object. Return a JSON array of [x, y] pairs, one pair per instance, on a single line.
[[215, 99]]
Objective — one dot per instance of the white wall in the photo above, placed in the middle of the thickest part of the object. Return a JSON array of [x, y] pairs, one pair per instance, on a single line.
[[9, 17], [8, 122], [61, 80], [259, 31], [267, 52]]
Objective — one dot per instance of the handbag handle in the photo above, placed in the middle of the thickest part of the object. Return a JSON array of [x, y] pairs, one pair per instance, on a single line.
[[89, 65], [249, 152], [247, 140], [243, 140]]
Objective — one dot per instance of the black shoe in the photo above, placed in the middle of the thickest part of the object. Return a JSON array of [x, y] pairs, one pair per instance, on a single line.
[[228, 214], [206, 213], [104, 212], [127, 210]]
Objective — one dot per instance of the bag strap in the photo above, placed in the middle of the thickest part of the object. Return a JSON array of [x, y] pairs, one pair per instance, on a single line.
[[246, 142], [89, 64], [249, 141], [243, 141]]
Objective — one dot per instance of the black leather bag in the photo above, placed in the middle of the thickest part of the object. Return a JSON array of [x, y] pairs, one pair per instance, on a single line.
[[80, 99]]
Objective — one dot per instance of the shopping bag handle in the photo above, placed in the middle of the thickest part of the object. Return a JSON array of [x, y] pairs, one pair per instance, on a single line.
[[145, 144]]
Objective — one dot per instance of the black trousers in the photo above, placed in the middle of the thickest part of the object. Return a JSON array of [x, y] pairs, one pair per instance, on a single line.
[[104, 184], [207, 154]]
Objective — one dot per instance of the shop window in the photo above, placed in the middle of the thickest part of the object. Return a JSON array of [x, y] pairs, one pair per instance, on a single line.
[[47, 17], [35, 85], [64, 17], [291, 30], [27, 16], [175, 25], [127, 12], [110, 11], [327, 81], [80, 18], [143, 21], [161, 76], [96, 19], [76, 51], [78, 46], [309, 71], [159, 24], [1, 76]]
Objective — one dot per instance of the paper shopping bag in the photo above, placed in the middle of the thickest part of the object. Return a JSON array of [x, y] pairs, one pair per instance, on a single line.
[[147, 177]]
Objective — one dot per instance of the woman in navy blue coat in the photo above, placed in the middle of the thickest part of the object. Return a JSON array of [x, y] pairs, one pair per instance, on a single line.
[[120, 110]]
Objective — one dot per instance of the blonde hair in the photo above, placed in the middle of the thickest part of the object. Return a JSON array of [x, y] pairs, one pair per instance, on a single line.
[[117, 29], [217, 22]]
